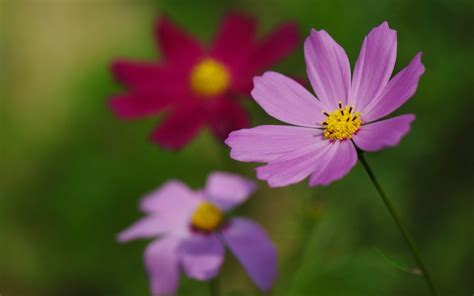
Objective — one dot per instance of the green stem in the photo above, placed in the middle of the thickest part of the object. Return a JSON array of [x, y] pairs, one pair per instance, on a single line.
[[401, 227], [214, 287]]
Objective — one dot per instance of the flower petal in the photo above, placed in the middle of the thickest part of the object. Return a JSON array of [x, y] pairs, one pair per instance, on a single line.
[[253, 55], [374, 65], [201, 256], [269, 142], [382, 134], [295, 166], [161, 261], [286, 100], [236, 31], [178, 47], [170, 197], [142, 74], [179, 127], [398, 90], [278, 44], [228, 190], [335, 164], [225, 116], [134, 105], [144, 228], [328, 69], [169, 207], [254, 250]]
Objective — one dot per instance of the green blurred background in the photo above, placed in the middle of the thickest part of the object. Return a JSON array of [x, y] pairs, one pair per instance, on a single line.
[[71, 173]]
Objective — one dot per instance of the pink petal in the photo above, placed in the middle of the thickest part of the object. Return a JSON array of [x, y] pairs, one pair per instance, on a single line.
[[172, 198], [382, 134], [145, 228], [179, 127], [295, 166], [225, 116], [398, 90], [286, 100], [161, 261], [236, 31], [228, 190], [201, 256], [169, 207], [269, 142], [335, 164], [328, 69], [374, 65], [277, 45], [134, 105], [178, 47], [254, 250]]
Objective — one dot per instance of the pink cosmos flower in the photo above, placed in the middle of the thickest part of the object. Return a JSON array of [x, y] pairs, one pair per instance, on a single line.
[[191, 230], [196, 86], [347, 114]]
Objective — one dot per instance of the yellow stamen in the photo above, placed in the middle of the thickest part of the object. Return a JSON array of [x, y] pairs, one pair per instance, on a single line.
[[209, 78], [341, 123], [207, 217]]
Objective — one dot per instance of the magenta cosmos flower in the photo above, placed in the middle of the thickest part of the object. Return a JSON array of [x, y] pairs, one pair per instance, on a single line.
[[191, 230], [196, 86], [347, 113]]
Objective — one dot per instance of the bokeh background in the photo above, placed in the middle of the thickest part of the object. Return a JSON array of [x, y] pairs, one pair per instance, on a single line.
[[72, 173]]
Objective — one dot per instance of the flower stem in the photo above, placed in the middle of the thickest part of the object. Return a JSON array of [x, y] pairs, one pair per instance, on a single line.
[[214, 287], [401, 227]]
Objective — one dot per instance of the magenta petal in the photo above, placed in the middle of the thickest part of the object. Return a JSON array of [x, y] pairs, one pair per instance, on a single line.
[[145, 228], [177, 46], [161, 261], [201, 256], [328, 69], [228, 190], [374, 66], [179, 127], [258, 55], [254, 250], [335, 164], [286, 100], [236, 31], [225, 116], [131, 106], [146, 74], [269, 142], [398, 90], [278, 44], [382, 134], [295, 166]]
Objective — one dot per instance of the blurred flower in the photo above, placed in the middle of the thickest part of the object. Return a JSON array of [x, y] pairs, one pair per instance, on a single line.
[[346, 114], [191, 232], [195, 85]]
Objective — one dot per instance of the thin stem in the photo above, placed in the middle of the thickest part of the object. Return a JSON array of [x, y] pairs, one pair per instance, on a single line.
[[214, 287], [401, 227]]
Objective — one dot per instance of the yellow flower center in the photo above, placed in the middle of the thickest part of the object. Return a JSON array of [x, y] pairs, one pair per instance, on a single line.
[[207, 217], [209, 78], [341, 123]]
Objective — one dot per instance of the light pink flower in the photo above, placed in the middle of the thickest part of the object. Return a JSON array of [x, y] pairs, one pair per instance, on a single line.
[[191, 231], [346, 113]]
